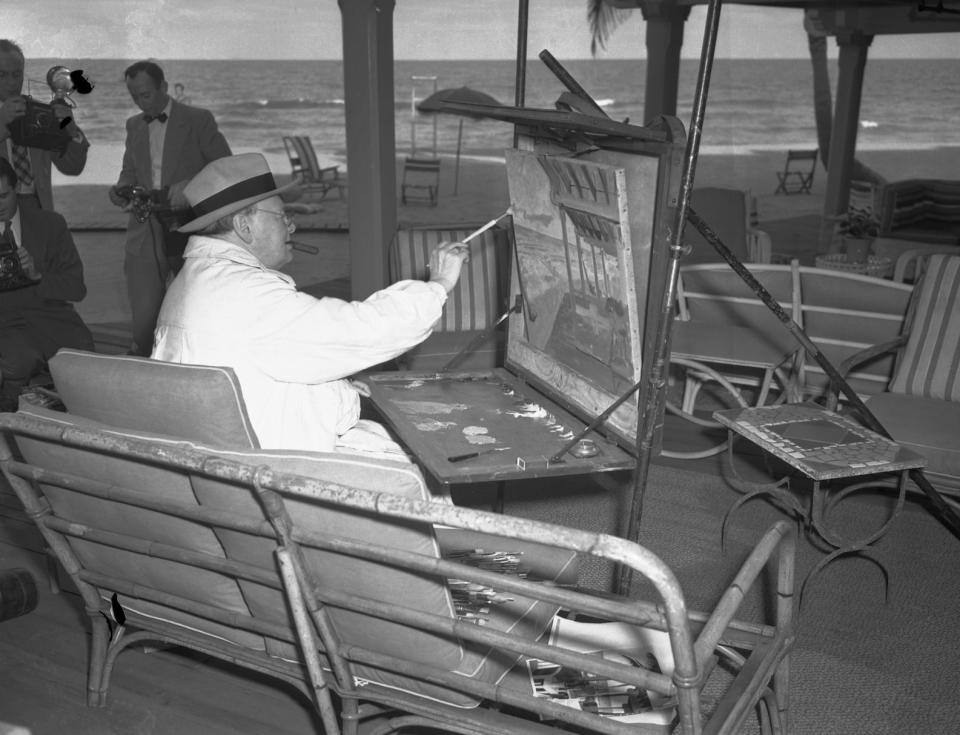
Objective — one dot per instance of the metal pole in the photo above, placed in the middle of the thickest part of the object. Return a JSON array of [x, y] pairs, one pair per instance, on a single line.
[[946, 513], [651, 391]]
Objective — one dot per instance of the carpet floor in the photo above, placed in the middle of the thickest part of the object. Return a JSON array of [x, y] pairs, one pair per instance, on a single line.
[[862, 664]]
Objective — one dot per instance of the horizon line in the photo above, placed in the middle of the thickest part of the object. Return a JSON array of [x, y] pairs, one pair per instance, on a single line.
[[531, 58]]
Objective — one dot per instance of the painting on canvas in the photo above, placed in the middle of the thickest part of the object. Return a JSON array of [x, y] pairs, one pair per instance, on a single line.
[[579, 335]]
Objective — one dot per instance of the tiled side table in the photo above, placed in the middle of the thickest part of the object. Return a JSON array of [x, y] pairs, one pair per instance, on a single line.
[[824, 446]]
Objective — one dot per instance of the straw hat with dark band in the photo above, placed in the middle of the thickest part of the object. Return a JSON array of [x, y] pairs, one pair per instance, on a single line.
[[229, 185]]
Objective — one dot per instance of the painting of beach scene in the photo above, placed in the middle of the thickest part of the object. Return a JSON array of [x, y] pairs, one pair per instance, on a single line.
[[579, 331]]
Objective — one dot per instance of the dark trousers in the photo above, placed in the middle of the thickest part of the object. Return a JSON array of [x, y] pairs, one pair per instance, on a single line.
[[147, 273], [25, 349]]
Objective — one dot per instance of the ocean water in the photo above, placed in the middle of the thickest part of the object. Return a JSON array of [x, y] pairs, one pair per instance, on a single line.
[[752, 104]]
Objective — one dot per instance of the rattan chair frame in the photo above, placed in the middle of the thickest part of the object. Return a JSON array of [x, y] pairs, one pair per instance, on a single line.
[[325, 668]]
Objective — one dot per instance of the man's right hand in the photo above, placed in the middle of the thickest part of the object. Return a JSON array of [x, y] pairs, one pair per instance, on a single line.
[[10, 110], [116, 199], [445, 263]]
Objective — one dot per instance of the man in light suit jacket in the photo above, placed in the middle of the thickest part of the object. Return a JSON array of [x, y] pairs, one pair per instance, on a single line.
[[166, 146], [36, 316], [35, 189]]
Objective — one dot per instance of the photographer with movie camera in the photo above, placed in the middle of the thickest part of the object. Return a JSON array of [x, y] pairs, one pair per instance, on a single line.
[[40, 273], [31, 139], [166, 146]]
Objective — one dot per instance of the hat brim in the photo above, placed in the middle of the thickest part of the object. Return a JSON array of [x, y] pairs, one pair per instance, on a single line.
[[209, 218]]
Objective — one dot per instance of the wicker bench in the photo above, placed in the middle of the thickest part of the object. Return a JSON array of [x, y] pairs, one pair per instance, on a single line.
[[340, 574]]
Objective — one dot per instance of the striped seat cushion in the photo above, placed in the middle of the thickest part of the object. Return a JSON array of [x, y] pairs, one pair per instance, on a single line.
[[480, 296], [929, 364]]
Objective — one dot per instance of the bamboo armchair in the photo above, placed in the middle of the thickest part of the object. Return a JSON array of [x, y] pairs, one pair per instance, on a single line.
[[333, 572], [921, 404]]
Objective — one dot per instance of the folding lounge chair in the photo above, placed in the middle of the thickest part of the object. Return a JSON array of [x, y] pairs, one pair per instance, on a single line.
[[304, 164], [798, 171], [421, 181]]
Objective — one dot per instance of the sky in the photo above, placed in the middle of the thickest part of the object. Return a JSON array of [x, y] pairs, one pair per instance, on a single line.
[[423, 29]]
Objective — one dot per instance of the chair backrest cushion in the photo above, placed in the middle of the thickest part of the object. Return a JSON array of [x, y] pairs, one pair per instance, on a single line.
[[142, 569], [195, 402], [929, 365], [313, 521], [479, 297], [726, 211]]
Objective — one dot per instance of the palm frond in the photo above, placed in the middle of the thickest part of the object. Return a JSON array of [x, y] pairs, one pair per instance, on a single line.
[[603, 18]]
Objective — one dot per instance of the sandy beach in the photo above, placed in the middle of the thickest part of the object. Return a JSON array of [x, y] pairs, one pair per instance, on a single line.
[[478, 194], [480, 189]]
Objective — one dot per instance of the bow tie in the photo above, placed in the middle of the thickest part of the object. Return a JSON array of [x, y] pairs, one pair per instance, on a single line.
[[162, 117]]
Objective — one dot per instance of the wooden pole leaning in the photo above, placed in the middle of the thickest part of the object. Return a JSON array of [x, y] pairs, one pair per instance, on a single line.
[[944, 511], [651, 393]]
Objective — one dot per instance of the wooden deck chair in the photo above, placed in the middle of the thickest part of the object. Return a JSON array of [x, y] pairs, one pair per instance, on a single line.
[[304, 164], [339, 575], [421, 181], [732, 214], [921, 406], [474, 305], [798, 171]]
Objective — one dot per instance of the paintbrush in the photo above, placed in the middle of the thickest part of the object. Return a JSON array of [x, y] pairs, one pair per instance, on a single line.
[[471, 455], [491, 223]]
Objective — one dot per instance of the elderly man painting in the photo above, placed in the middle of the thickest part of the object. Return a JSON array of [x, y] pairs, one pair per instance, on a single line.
[[292, 353]]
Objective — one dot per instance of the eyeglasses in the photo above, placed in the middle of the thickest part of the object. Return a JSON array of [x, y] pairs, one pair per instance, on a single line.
[[288, 220]]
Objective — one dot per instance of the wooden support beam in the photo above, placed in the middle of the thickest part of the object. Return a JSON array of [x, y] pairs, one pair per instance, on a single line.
[[371, 145], [664, 41], [843, 142]]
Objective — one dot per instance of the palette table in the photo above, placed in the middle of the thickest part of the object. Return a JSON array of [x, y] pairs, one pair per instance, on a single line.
[[824, 446], [482, 426]]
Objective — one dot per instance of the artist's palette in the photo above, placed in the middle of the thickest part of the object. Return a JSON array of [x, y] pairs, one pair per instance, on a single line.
[[470, 426]]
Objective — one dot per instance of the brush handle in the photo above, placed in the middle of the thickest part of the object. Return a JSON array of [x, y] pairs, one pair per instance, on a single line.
[[477, 233]]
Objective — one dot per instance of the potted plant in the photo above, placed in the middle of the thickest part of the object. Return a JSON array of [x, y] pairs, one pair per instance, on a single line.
[[857, 231]]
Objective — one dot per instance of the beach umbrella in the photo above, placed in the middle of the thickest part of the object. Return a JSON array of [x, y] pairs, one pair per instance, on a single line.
[[437, 103]]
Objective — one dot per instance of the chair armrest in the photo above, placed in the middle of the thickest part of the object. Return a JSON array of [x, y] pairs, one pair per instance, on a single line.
[[759, 246], [906, 263], [868, 353]]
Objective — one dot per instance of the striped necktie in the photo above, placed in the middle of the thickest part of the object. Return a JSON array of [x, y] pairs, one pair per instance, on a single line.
[[21, 164], [8, 234]]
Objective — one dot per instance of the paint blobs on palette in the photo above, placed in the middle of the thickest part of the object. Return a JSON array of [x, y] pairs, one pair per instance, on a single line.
[[478, 435], [434, 425], [528, 410], [430, 408]]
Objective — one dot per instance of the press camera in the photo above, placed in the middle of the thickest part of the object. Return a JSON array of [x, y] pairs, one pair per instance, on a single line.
[[39, 127], [11, 270], [146, 203]]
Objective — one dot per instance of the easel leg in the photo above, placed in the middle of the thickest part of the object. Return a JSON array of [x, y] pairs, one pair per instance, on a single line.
[[498, 499]]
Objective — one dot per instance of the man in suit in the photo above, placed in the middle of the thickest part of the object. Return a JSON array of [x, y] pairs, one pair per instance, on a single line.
[[166, 146], [33, 164], [36, 318]]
